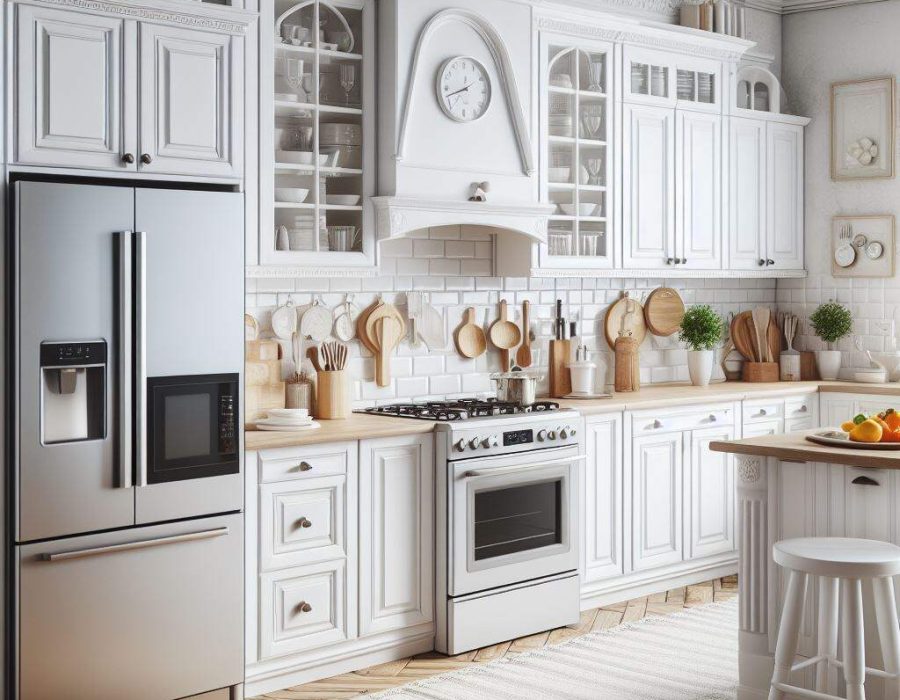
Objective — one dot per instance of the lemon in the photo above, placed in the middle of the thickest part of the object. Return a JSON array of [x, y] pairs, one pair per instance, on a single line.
[[867, 431]]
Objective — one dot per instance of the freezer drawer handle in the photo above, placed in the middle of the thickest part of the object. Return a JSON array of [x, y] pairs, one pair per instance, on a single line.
[[142, 544], [498, 471]]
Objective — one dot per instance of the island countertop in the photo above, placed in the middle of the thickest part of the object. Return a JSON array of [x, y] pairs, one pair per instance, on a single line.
[[794, 447]]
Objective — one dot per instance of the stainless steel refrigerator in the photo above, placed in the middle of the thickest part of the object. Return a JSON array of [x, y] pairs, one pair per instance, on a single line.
[[127, 353]]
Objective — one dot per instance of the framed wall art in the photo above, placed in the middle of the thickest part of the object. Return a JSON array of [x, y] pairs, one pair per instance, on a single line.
[[862, 246], [862, 129]]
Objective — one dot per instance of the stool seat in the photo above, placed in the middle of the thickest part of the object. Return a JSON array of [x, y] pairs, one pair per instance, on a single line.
[[838, 557]]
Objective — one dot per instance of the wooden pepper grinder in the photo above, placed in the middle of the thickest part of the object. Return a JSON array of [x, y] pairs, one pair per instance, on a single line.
[[628, 370]]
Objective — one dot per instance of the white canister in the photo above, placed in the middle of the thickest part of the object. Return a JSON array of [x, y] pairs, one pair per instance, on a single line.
[[582, 374], [789, 362]]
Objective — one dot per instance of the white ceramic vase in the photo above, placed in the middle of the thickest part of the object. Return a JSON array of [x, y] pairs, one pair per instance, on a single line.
[[700, 365], [829, 364]]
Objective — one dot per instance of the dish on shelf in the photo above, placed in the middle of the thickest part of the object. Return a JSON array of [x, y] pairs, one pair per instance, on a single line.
[[299, 157], [845, 255], [287, 97], [265, 425], [583, 209], [342, 200], [340, 134], [561, 80], [295, 195], [559, 174]]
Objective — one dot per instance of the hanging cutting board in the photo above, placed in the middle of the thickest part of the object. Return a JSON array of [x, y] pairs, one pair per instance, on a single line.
[[664, 311], [634, 321], [385, 328], [315, 324], [361, 326]]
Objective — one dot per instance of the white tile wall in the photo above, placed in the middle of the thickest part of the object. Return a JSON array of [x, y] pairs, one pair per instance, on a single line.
[[454, 266]]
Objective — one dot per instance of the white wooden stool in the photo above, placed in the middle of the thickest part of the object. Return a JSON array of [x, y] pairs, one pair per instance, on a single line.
[[846, 561]]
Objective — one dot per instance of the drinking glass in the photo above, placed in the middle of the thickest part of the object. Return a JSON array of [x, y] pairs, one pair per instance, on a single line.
[[293, 75], [595, 68], [595, 170], [592, 120], [348, 79]]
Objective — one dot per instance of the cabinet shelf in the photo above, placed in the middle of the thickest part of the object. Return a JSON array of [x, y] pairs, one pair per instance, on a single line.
[[285, 108], [294, 205], [573, 140], [555, 90], [582, 219], [568, 186], [341, 207], [323, 53]]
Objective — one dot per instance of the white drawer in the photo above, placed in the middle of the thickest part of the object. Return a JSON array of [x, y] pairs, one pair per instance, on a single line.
[[302, 522], [757, 411], [302, 609], [307, 462], [797, 424], [801, 408], [667, 421]]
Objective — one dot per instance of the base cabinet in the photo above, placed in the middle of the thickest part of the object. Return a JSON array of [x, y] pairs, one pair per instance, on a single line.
[[603, 555], [656, 501]]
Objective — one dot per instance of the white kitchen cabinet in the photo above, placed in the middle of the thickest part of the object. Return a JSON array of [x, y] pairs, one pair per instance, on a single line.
[[747, 193], [870, 497], [711, 494], [129, 91], [698, 183], [648, 213], [191, 92], [784, 196], [75, 89], [603, 492], [396, 531], [657, 500]]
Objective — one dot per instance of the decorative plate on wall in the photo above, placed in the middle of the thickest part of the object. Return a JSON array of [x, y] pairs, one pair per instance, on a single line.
[[862, 129], [862, 246]]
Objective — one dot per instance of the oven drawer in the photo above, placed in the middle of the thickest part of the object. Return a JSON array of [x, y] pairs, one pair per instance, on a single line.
[[304, 608], [303, 522], [308, 462], [667, 421]]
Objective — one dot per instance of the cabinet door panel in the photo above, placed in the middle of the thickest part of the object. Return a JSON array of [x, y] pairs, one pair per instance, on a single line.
[[603, 534], [396, 533], [711, 494], [699, 182], [747, 193], [648, 166], [72, 108], [190, 104], [868, 497], [784, 172], [657, 500]]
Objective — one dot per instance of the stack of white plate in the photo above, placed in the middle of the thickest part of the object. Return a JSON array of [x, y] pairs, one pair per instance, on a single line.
[[287, 419]]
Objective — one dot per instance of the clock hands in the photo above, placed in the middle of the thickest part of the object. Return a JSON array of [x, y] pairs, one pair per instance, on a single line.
[[449, 95]]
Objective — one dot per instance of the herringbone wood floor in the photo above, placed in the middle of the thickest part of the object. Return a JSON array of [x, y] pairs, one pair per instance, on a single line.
[[375, 678]]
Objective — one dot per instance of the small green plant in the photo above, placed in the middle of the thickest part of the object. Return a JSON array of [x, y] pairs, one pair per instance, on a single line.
[[701, 328], [831, 322]]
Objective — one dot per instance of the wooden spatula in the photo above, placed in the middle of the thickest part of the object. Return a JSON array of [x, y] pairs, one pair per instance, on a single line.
[[387, 338], [523, 354], [760, 317]]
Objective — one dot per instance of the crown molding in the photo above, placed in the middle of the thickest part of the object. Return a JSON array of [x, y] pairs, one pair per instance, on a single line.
[[667, 10], [792, 7]]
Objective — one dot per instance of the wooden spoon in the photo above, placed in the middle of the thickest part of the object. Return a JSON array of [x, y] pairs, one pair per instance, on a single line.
[[761, 317], [505, 335], [523, 354], [470, 340]]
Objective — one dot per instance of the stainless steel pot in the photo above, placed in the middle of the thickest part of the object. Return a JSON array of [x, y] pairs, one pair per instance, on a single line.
[[517, 387]]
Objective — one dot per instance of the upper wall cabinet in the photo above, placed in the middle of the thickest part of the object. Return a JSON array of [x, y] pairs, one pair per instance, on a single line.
[[673, 80], [115, 92]]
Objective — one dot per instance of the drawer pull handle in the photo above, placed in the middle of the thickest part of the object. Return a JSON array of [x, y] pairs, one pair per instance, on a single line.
[[762, 412], [303, 467], [304, 522], [304, 607], [712, 418], [802, 409], [865, 481], [656, 424]]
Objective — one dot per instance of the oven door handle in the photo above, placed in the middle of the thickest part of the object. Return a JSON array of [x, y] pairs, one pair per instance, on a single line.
[[140, 544], [499, 471]]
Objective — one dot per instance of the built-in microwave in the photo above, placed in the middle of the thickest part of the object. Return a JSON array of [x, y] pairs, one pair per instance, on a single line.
[[192, 427]]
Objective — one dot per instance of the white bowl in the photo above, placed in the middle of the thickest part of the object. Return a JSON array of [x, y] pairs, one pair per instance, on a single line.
[[342, 200], [296, 157], [295, 195], [300, 413], [581, 210], [870, 376], [559, 174]]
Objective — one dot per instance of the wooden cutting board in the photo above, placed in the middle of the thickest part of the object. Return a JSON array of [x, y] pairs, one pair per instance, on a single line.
[[385, 329], [742, 336], [664, 311], [634, 322]]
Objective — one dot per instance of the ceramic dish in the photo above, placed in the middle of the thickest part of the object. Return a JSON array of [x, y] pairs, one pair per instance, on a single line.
[[559, 174], [263, 425], [294, 195], [298, 413], [845, 255], [870, 376], [584, 209], [835, 438], [874, 250], [342, 200], [299, 157]]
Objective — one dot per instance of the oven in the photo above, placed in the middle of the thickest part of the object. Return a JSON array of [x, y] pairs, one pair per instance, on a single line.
[[512, 518]]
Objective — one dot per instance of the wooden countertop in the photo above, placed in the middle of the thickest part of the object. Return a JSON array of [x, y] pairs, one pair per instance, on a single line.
[[360, 426], [794, 447]]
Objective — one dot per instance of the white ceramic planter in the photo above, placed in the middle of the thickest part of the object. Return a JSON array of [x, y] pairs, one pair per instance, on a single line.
[[829, 364], [700, 364]]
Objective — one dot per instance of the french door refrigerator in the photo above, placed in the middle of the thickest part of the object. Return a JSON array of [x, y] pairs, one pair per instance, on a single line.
[[127, 353]]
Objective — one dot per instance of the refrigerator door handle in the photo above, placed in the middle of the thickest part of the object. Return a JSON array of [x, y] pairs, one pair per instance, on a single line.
[[140, 544], [125, 455], [140, 355]]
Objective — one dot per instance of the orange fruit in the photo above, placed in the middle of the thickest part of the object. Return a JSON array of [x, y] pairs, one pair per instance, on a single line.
[[892, 418]]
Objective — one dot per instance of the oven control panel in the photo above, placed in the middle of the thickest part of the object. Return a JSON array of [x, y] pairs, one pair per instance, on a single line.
[[506, 438]]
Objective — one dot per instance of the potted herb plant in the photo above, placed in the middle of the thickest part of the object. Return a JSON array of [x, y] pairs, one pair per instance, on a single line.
[[831, 322], [701, 330]]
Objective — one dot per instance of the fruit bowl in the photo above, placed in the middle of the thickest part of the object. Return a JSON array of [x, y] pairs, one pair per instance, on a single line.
[[838, 438]]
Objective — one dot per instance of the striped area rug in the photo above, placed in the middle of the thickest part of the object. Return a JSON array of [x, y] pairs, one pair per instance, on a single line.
[[684, 656]]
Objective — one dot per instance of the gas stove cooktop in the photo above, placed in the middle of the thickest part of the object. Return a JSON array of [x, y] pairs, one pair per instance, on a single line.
[[460, 409]]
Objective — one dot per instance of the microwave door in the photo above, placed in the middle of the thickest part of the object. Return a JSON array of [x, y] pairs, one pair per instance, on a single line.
[[71, 451]]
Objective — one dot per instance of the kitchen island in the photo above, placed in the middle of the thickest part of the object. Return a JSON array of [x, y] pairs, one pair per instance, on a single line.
[[790, 487]]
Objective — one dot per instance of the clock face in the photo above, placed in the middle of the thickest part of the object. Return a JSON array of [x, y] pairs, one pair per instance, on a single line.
[[463, 89]]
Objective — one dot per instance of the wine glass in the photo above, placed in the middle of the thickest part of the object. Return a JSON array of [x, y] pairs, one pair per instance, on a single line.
[[348, 79], [595, 170], [592, 120], [293, 74], [595, 67]]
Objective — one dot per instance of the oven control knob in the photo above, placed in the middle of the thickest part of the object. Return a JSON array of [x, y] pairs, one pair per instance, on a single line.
[[473, 443], [542, 435], [460, 445], [551, 434], [490, 442], [565, 432]]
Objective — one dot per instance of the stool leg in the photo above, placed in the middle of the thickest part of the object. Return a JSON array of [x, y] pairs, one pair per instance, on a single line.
[[888, 632], [788, 632], [828, 633], [853, 636]]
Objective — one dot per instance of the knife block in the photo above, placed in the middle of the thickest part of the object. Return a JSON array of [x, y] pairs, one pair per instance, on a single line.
[[560, 378], [761, 372], [332, 395]]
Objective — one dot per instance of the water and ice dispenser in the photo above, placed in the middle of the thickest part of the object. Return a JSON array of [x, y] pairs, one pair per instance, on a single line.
[[73, 391]]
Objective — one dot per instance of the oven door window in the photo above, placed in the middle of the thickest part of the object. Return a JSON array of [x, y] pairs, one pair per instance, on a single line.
[[192, 431], [518, 519]]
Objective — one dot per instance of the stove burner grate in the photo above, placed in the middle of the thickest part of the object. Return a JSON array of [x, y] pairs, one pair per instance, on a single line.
[[459, 409]]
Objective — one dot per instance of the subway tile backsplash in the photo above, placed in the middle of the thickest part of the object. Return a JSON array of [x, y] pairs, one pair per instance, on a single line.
[[454, 266]]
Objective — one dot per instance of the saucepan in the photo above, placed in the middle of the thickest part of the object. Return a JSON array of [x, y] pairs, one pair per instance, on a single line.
[[517, 387]]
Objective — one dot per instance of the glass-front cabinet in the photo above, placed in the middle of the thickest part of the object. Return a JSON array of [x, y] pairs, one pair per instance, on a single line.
[[577, 152], [317, 162]]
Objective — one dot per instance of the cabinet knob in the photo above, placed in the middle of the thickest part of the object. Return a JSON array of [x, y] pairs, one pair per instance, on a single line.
[[761, 262], [304, 467], [712, 417], [304, 522], [128, 158], [146, 159], [770, 262], [684, 261], [304, 607], [669, 261]]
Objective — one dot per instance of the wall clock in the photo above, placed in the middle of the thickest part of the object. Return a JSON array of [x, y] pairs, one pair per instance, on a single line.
[[463, 89]]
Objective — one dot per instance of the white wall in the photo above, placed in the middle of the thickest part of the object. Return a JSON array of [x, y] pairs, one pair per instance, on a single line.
[[820, 48], [765, 29]]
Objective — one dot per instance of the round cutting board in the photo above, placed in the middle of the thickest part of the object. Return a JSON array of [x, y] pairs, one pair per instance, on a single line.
[[663, 311], [635, 321]]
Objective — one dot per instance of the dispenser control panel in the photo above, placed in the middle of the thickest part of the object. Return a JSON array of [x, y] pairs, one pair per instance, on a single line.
[[73, 353]]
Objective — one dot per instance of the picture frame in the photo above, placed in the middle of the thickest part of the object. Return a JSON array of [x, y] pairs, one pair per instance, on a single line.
[[863, 246], [862, 128]]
